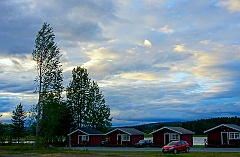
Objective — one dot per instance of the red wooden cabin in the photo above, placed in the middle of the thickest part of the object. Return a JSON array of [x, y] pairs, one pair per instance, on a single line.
[[124, 136], [224, 135], [86, 137], [164, 135]]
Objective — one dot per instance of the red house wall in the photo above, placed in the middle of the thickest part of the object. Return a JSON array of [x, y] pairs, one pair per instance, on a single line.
[[187, 138], [158, 138], [74, 139], [135, 138], [95, 140], [112, 138]]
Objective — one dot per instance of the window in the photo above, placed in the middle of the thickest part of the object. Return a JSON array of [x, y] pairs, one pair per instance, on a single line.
[[85, 138], [125, 137], [237, 135], [128, 137], [231, 135], [175, 137], [183, 142], [234, 135]]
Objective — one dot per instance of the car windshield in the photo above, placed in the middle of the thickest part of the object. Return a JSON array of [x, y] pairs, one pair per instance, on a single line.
[[172, 143], [141, 141]]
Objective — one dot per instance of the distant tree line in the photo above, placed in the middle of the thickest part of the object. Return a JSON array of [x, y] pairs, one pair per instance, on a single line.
[[197, 126], [201, 125]]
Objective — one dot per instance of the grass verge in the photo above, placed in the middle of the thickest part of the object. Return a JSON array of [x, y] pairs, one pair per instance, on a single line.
[[29, 151]]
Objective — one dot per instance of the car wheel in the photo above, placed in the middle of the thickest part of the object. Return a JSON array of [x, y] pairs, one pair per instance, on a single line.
[[187, 150], [175, 151]]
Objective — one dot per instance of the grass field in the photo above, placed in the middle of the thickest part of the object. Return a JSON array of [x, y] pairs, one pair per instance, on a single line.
[[29, 151]]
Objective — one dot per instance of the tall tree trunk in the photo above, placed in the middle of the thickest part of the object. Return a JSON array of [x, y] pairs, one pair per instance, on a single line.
[[39, 100]]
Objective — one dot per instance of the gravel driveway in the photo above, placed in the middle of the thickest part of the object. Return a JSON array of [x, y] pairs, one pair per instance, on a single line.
[[155, 149]]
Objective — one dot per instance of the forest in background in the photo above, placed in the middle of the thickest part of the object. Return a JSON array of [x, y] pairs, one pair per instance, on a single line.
[[197, 126]]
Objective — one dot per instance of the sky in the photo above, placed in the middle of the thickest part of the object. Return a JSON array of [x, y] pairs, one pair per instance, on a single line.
[[154, 60]]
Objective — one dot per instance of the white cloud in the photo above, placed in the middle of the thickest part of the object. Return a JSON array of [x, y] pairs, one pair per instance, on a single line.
[[145, 55], [139, 76], [98, 57], [205, 42], [147, 43], [231, 5], [179, 48]]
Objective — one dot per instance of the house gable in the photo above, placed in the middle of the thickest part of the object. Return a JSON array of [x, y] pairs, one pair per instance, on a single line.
[[129, 131], [178, 130], [231, 126]]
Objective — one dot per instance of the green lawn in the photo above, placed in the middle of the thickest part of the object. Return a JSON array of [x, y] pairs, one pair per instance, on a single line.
[[29, 151]]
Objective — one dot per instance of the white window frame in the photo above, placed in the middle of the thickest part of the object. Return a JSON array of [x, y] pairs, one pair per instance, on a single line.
[[84, 138], [174, 136], [234, 135], [124, 137]]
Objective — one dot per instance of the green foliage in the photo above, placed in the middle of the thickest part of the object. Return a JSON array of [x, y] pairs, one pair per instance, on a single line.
[[86, 102], [5, 133], [49, 80], [77, 95], [97, 112], [18, 121]]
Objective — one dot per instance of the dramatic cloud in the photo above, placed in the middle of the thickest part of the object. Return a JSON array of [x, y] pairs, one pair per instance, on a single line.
[[153, 60]]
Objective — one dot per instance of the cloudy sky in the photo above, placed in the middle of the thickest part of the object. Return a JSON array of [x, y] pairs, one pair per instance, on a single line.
[[154, 60]]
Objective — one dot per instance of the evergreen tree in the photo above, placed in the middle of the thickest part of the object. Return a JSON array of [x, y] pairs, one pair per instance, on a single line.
[[18, 120], [49, 81]]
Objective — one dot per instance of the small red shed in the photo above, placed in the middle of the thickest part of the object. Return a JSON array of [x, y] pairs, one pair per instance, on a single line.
[[86, 137], [165, 134], [125, 136], [224, 135]]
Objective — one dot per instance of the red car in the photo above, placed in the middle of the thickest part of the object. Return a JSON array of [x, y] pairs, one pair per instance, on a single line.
[[176, 146]]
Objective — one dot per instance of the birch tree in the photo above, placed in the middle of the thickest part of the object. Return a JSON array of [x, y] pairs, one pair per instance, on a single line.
[[86, 102], [46, 54], [77, 94]]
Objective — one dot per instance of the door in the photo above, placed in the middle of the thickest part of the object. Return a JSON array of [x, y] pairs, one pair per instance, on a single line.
[[166, 138], [79, 139], [224, 138], [119, 139]]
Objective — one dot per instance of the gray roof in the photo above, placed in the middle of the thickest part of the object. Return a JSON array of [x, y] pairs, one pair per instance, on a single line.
[[179, 130], [130, 131], [232, 126], [88, 132]]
